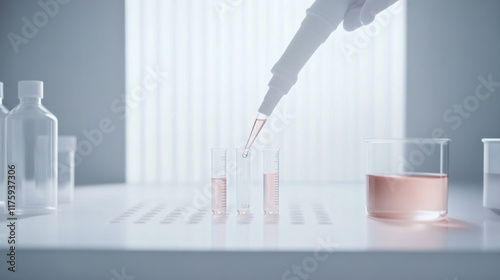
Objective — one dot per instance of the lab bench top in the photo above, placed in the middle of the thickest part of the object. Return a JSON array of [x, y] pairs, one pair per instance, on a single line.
[[161, 231]]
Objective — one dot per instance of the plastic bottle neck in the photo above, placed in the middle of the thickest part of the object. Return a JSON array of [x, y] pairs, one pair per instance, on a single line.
[[31, 100]]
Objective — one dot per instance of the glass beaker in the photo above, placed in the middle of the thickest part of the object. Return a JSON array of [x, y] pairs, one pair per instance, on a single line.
[[491, 173], [407, 179]]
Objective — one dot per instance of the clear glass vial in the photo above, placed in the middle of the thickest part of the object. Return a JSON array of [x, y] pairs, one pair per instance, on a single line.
[[407, 179], [3, 155], [219, 183], [271, 170], [66, 168], [32, 150], [243, 181]]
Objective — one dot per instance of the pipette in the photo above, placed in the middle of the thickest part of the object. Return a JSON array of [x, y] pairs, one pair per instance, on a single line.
[[321, 20]]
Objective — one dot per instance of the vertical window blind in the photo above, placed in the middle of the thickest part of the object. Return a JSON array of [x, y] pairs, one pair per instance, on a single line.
[[197, 71]]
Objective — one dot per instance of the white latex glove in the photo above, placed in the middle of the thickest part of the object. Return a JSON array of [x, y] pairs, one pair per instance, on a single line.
[[363, 12]]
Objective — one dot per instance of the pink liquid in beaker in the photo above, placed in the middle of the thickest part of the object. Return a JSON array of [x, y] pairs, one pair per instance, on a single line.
[[416, 197]]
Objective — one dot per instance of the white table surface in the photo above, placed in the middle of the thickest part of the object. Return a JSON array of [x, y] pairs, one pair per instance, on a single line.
[[165, 219]]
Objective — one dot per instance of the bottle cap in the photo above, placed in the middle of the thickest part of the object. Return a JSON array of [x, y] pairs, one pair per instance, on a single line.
[[66, 143], [30, 89]]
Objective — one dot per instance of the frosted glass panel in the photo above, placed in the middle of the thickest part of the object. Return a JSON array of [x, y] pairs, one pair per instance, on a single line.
[[197, 71]]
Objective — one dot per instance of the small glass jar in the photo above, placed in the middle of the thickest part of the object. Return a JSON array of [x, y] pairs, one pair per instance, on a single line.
[[407, 179], [66, 168], [491, 171]]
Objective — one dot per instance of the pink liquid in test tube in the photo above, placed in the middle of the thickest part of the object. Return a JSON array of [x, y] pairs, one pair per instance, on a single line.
[[271, 193], [219, 196], [409, 197]]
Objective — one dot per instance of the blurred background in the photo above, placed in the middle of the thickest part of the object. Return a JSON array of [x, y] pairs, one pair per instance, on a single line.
[[176, 78]]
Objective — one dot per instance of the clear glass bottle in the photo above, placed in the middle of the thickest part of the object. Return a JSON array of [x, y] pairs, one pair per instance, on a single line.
[[32, 150], [3, 155]]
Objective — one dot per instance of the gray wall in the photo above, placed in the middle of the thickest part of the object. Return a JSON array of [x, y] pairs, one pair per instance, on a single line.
[[450, 44], [79, 54]]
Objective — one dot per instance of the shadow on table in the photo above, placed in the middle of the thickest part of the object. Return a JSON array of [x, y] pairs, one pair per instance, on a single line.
[[416, 236], [6, 217], [495, 211]]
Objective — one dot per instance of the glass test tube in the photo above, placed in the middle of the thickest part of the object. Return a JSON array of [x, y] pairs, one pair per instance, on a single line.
[[219, 181], [243, 181], [271, 180]]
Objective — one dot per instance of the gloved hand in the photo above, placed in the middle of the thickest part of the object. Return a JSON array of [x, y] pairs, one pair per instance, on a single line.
[[363, 12]]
